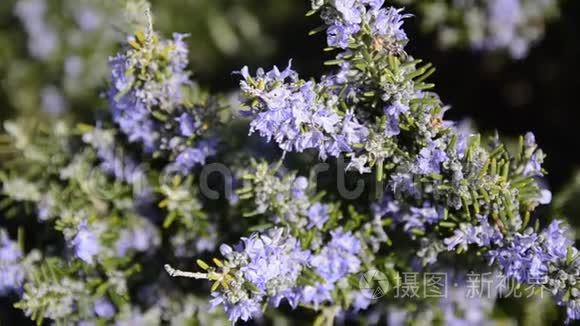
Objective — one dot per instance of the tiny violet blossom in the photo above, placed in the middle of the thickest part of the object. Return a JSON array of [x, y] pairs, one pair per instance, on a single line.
[[318, 215], [430, 159], [481, 235], [11, 274], [338, 258], [389, 23], [334, 262], [339, 34], [187, 125], [86, 243], [192, 157], [104, 308], [244, 309], [393, 112]]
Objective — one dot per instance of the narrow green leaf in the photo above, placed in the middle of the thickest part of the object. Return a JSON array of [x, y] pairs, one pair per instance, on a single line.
[[317, 30], [202, 264]]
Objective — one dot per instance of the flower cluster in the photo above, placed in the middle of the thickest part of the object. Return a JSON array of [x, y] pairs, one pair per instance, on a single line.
[[270, 264], [346, 18], [337, 260], [332, 115], [291, 112], [272, 267], [548, 259], [151, 101], [301, 114]]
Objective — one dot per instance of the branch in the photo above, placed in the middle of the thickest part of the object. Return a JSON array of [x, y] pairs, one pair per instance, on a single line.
[[177, 273]]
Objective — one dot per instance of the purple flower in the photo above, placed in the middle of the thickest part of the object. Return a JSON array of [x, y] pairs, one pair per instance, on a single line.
[[482, 235], [274, 257], [419, 217], [316, 294], [352, 130], [545, 197], [460, 307], [88, 18], [385, 207], [272, 263], [349, 10], [464, 236], [530, 139], [187, 125], [9, 250], [338, 35], [345, 241], [397, 316], [133, 119], [389, 22], [194, 156], [104, 308], [317, 215], [43, 40], [359, 164], [572, 311], [131, 99], [534, 165], [292, 296], [556, 242], [518, 258], [393, 112], [505, 19], [463, 130], [244, 309], [430, 159], [299, 187], [86, 243], [11, 273], [361, 300], [404, 183], [338, 258]]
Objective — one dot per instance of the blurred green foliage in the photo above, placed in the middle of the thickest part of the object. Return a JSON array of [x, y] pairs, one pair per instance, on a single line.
[[53, 54]]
